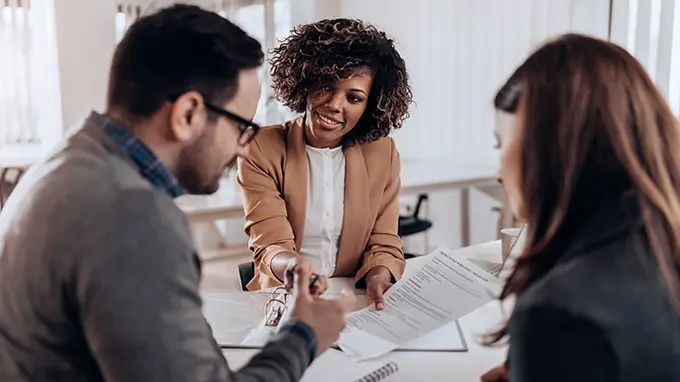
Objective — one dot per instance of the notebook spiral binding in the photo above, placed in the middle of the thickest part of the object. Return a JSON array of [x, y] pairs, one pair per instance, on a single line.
[[380, 374]]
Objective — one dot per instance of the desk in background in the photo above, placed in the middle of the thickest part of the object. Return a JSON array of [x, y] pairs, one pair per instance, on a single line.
[[17, 160], [431, 175], [203, 210], [417, 176], [428, 366]]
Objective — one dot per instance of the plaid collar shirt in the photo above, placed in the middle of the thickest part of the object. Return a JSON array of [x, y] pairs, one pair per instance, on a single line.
[[150, 166]]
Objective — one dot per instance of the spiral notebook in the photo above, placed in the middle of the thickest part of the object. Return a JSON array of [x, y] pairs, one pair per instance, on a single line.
[[335, 366]]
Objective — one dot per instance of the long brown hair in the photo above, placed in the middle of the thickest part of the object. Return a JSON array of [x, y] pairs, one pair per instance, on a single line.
[[594, 128]]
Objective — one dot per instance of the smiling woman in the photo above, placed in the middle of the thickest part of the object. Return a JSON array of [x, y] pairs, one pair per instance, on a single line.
[[325, 186], [327, 58]]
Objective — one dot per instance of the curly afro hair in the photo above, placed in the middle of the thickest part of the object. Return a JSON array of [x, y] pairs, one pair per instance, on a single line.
[[315, 56]]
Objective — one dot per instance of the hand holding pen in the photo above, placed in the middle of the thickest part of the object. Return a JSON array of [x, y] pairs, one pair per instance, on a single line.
[[312, 281], [317, 283]]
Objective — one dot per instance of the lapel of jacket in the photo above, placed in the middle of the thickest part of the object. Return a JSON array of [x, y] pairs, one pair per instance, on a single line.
[[295, 180], [354, 231]]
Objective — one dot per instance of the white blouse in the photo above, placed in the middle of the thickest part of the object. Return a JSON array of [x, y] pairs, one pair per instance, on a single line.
[[325, 207]]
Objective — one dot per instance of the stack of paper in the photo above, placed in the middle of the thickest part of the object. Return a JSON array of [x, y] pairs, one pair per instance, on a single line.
[[443, 290]]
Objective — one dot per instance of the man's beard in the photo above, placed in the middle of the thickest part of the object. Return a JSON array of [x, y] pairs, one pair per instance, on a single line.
[[195, 172], [232, 165]]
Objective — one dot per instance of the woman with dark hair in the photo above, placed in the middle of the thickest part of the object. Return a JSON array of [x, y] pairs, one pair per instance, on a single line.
[[325, 186], [591, 163]]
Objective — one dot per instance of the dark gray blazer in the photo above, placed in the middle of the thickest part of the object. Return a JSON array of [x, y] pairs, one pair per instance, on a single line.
[[99, 280], [601, 314]]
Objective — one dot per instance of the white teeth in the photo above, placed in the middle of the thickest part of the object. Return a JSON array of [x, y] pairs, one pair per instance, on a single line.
[[327, 120]]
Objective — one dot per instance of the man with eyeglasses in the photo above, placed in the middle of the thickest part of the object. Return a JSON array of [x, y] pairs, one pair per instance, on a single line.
[[99, 279]]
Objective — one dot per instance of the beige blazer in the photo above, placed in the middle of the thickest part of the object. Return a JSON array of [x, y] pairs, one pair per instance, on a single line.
[[273, 181]]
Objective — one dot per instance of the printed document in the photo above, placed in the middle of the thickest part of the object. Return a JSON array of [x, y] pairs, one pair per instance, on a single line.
[[446, 288]]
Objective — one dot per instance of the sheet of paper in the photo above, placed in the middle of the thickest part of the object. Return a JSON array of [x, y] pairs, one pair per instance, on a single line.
[[360, 344], [446, 288], [447, 338]]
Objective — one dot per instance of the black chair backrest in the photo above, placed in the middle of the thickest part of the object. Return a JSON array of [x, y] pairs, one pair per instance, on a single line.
[[246, 272], [421, 198]]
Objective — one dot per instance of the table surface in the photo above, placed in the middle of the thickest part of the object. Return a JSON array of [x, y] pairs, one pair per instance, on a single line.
[[10, 160], [416, 176], [428, 366]]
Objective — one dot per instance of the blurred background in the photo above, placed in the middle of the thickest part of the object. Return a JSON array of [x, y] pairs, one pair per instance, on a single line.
[[54, 58]]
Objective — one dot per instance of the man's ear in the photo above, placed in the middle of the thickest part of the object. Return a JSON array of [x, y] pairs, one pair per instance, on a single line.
[[188, 117]]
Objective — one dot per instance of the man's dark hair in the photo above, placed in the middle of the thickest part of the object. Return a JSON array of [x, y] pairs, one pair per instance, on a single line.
[[178, 49]]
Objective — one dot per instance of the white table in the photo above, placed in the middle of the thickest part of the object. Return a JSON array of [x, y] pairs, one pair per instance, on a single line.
[[418, 176], [430, 366], [11, 159]]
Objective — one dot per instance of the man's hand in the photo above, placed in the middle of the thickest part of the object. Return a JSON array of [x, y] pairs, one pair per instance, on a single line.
[[497, 374], [316, 289], [378, 281], [325, 317]]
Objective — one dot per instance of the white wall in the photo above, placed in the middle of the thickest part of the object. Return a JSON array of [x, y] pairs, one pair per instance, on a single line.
[[308, 11], [650, 31], [85, 42], [459, 52]]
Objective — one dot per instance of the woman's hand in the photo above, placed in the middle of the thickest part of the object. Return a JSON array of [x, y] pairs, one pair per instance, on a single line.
[[378, 281], [316, 288], [497, 374], [319, 286]]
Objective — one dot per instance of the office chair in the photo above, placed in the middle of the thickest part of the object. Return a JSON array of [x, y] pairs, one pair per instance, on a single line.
[[413, 224], [246, 272]]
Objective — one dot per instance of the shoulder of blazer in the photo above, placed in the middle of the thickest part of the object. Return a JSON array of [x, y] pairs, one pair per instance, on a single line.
[[272, 135], [381, 149], [271, 140]]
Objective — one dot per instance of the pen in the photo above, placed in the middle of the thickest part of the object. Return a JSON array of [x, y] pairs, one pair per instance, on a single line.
[[312, 280]]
